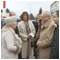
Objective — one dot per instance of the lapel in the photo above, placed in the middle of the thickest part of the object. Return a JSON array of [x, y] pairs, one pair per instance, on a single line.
[[46, 24], [24, 25]]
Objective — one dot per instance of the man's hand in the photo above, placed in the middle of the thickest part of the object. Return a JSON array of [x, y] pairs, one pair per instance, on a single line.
[[38, 43]]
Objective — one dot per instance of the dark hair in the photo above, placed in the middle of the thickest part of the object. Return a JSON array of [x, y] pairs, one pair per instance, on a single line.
[[23, 15], [57, 13]]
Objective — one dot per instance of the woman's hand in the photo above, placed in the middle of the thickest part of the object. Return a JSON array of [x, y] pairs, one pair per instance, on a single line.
[[17, 51], [29, 37]]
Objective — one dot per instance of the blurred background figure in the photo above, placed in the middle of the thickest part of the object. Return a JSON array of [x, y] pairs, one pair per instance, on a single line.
[[55, 40], [37, 24], [2, 22]]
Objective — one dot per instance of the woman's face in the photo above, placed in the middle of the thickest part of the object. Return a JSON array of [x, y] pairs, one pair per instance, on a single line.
[[14, 26], [38, 19], [25, 17]]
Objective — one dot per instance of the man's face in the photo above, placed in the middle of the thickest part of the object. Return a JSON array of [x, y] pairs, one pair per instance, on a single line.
[[44, 17], [13, 14], [55, 18]]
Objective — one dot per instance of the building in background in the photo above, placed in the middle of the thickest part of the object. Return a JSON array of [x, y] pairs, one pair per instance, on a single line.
[[7, 14], [5, 11], [54, 6]]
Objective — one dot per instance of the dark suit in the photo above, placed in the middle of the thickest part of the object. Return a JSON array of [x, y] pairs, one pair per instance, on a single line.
[[55, 45]]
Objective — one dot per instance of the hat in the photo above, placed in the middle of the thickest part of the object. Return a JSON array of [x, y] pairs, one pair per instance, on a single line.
[[11, 20]]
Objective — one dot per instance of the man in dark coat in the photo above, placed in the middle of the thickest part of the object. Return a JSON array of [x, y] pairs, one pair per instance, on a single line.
[[55, 41]]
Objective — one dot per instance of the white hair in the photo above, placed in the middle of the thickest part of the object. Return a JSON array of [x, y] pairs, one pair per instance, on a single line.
[[48, 13]]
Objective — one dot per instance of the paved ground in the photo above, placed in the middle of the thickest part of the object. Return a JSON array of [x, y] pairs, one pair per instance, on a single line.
[[32, 57], [32, 54]]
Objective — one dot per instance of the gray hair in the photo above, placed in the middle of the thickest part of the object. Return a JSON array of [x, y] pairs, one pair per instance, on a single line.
[[48, 14]]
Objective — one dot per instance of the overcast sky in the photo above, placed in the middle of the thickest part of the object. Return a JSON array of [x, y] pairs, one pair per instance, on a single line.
[[20, 6]]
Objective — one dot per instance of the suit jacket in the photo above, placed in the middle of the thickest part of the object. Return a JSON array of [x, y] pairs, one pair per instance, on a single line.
[[55, 45]]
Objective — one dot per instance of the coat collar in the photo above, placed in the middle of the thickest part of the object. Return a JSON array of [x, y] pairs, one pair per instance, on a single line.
[[45, 25], [24, 25], [6, 28], [57, 26]]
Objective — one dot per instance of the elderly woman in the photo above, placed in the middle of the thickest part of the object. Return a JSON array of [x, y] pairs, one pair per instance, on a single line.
[[26, 31], [10, 43]]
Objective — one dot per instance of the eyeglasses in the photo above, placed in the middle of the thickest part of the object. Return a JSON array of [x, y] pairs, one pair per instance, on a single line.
[[43, 16]]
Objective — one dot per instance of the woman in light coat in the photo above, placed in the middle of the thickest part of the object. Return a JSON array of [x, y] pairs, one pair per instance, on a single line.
[[9, 43], [26, 31]]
